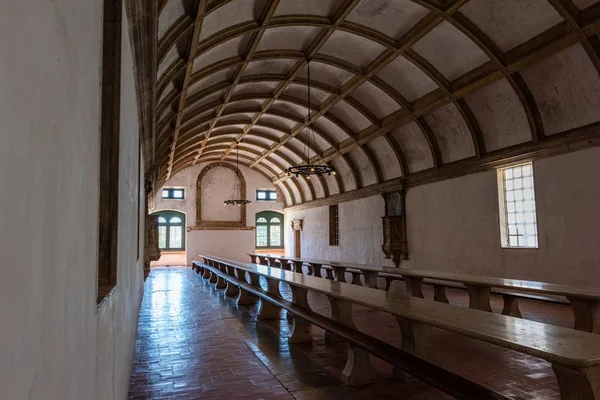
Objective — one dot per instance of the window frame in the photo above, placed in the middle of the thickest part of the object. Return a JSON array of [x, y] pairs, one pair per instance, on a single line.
[[503, 201], [268, 215], [334, 225], [171, 191], [267, 193], [167, 215]]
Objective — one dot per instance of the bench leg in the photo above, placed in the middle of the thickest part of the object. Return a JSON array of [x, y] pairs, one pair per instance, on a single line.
[[371, 279], [587, 314], [358, 369], [213, 277], [356, 279], [268, 310], [300, 327], [221, 283], [316, 270], [416, 340], [329, 336], [578, 384], [341, 274], [414, 286], [205, 273], [479, 297], [298, 267], [439, 294], [231, 290], [388, 283], [511, 306], [329, 274]]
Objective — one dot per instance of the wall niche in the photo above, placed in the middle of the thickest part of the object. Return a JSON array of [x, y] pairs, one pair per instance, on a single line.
[[213, 186]]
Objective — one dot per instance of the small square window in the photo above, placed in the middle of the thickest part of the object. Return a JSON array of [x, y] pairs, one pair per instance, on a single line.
[[266, 195], [170, 193], [516, 194]]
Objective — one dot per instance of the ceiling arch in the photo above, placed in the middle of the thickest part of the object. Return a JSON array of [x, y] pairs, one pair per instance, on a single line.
[[469, 77]]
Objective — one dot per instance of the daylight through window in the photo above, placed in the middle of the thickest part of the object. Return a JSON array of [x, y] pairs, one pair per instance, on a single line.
[[269, 230], [517, 206], [171, 234]]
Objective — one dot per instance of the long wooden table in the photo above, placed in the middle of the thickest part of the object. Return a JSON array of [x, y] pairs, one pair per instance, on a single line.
[[574, 355], [370, 272], [585, 302]]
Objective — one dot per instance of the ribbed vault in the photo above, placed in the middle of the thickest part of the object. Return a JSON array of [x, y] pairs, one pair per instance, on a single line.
[[400, 87]]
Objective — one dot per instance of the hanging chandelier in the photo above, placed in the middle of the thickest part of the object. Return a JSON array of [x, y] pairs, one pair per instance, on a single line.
[[232, 201], [306, 168]]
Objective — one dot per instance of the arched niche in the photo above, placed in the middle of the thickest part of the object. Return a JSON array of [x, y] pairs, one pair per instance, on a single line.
[[200, 222]]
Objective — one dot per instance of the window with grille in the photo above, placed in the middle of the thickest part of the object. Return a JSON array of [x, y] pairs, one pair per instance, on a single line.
[[334, 225], [518, 221], [173, 193], [171, 232], [269, 230], [266, 195]]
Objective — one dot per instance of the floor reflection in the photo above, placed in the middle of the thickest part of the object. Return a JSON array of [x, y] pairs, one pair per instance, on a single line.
[[193, 342]]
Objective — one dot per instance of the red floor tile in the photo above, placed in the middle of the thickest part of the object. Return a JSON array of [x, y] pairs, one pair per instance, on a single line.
[[193, 342]]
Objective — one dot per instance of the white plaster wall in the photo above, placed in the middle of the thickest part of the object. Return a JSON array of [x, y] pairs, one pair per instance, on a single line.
[[220, 183], [360, 232], [454, 226], [54, 343], [234, 244]]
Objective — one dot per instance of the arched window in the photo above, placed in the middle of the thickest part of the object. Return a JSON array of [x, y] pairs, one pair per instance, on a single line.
[[171, 232], [269, 230]]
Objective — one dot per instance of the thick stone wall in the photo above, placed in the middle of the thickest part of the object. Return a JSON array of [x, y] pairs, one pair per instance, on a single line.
[[55, 341]]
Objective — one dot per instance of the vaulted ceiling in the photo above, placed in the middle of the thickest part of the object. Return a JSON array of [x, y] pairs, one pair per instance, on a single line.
[[400, 88]]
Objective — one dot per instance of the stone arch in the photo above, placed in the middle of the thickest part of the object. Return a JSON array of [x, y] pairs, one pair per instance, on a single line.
[[220, 224]]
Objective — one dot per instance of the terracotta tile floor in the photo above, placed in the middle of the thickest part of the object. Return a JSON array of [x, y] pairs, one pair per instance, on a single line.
[[194, 343]]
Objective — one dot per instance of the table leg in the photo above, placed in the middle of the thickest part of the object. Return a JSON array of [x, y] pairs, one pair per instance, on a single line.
[[416, 340], [300, 332], [479, 297], [268, 310], [414, 286], [439, 294], [578, 383], [511, 306], [358, 369]]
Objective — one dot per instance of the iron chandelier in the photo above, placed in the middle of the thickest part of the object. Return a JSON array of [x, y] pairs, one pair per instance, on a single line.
[[306, 168], [232, 201]]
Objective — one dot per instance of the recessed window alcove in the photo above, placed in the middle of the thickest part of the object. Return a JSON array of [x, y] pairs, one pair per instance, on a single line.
[[213, 186]]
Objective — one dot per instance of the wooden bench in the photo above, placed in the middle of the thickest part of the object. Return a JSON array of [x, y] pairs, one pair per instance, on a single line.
[[574, 355], [358, 368]]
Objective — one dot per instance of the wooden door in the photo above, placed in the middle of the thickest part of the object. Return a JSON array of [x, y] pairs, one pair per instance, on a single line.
[[297, 243]]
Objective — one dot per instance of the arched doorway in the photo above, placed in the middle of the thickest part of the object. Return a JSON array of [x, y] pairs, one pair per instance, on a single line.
[[171, 238], [171, 232], [269, 230]]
